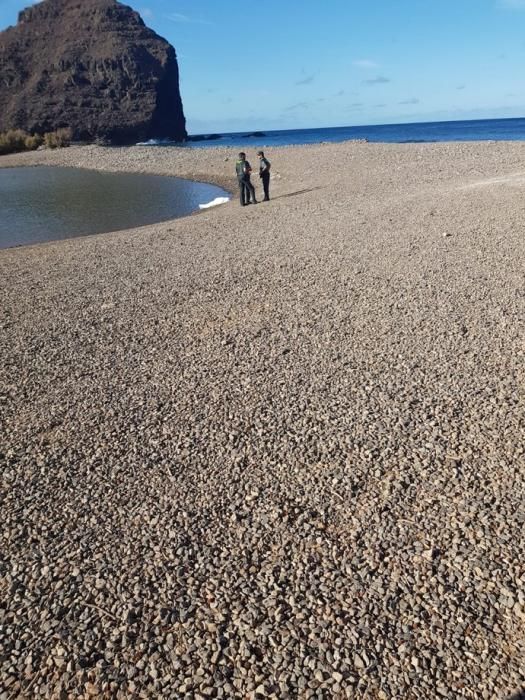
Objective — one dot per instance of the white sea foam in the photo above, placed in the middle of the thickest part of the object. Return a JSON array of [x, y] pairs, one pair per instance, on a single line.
[[215, 202], [155, 142]]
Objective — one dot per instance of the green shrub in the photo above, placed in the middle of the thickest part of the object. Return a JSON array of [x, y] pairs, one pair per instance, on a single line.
[[50, 140], [12, 141], [61, 138], [33, 142], [16, 140]]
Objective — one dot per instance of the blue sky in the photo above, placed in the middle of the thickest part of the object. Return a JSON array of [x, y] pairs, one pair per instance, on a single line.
[[278, 64]]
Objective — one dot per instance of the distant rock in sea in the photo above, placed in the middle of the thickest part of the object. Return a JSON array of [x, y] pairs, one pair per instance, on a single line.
[[255, 134], [92, 66], [205, 137]]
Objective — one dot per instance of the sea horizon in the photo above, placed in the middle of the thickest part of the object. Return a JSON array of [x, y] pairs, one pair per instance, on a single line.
[[507, 129]]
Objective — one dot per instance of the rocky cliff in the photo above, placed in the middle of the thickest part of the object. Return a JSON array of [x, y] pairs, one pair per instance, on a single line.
[[92, 66]]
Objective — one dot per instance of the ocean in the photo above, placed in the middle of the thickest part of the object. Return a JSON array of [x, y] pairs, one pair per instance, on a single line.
[[425, 132], [41, 204]]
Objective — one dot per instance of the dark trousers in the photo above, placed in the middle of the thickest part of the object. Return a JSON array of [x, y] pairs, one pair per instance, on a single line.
[[265, 177], [246, 189]]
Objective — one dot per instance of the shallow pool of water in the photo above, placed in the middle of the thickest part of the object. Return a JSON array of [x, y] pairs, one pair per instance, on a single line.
[[48, 203]]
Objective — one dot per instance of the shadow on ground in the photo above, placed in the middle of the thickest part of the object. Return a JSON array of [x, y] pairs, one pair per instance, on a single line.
[[520, 695], [293, 194]]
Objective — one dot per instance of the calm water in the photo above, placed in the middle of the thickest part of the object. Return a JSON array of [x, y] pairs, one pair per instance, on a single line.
[[474, 130], [43, 204]]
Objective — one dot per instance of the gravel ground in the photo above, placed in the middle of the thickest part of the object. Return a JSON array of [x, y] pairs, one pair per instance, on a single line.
[[277, 451]]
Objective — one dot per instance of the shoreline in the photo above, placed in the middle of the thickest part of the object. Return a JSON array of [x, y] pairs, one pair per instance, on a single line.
[[58, 158], [195, 212], [275, 449], [210, 162]]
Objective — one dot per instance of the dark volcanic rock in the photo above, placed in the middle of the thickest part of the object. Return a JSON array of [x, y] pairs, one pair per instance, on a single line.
[[93, 66]]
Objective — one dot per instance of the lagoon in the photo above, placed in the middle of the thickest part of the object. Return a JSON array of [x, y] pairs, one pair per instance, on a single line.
[[41, 204]]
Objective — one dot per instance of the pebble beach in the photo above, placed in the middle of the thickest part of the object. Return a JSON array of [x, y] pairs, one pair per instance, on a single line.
[[275, 451]]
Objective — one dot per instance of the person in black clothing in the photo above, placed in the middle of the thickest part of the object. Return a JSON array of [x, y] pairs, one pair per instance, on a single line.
[[243, 170], [264, 174]]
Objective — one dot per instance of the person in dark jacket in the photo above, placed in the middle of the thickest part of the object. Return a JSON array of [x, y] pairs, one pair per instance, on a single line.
[[246, 189], [264, 174]]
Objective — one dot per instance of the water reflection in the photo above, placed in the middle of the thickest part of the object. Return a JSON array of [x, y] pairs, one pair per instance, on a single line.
[[47, 203]]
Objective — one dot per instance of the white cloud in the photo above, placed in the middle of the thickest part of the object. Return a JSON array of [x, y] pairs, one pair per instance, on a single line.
[[184, 19], [365, 63], [297, 105], [306, 81], [513, 4], [146, 13], [177, 17], [377, 81]]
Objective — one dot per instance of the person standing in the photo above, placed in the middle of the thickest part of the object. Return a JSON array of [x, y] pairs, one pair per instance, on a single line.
[[264, 174], [246, 189]]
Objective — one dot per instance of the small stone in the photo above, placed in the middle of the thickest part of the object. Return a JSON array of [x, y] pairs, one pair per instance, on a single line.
[[358, 661]]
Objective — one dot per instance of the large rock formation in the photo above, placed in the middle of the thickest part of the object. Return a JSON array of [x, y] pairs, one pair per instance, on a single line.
[[92, 66]]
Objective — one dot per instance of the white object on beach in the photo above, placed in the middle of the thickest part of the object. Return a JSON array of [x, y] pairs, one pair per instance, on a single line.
[[215, 202]]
